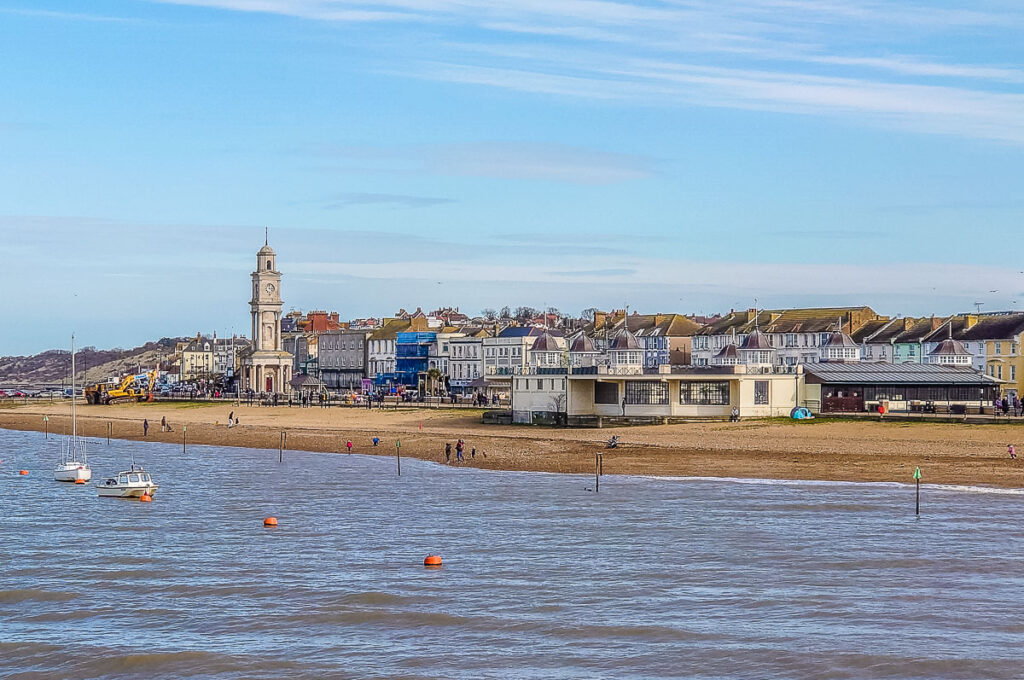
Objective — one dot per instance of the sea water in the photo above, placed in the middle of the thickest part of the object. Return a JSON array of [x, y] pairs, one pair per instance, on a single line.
[[542, 577]]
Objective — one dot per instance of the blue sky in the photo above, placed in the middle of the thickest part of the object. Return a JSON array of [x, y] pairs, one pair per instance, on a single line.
[[681, 155]]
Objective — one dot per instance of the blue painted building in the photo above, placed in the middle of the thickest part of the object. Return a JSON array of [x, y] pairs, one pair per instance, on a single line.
[[412, 352]]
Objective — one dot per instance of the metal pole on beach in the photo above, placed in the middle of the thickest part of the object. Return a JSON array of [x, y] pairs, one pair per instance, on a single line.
[[280, 451], [110, 426], [917, 480], [46, 427], [184, 429], [597, 472], [398, 455]]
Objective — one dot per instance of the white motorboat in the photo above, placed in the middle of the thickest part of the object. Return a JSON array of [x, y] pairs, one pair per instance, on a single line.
[[134, 483], [73, 466]]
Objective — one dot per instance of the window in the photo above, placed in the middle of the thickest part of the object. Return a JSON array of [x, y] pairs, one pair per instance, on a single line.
[[706, 393], [606, 393], [790, 339], [646, 392], [1013, 372], [999, 372], [540, 384], [761, 392], [999, 347]]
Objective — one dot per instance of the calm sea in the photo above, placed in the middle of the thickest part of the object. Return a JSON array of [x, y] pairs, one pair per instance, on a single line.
[[651, 578]]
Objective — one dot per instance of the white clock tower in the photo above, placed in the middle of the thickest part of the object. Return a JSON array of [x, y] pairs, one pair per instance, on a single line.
[[266, 367]]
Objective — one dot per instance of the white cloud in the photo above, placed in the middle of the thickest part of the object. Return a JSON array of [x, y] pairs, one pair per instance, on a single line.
[[505, 160], [651, 54]]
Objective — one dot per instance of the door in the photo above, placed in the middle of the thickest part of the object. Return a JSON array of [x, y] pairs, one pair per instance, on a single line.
[[270, 384]]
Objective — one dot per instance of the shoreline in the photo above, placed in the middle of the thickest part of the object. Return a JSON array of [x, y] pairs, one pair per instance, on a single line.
[[828, 451]]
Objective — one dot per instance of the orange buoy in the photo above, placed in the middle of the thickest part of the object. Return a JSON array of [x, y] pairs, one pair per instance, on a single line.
[[79, 481], [432, 561], [270, 522], [22, 472], [145, 498]]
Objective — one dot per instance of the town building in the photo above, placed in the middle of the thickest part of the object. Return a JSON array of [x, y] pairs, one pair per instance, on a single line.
[[605, 396], [265, 366], [226, 352], [466, 361], [412, 352], [790, 336], [910, 387], [342, 358], [382, 349], [196, 360], [994, 341], [898, 340], [507, 354]]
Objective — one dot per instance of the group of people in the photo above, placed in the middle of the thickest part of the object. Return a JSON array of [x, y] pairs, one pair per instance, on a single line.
[[1007, 404], [460, 446], [164, 427]]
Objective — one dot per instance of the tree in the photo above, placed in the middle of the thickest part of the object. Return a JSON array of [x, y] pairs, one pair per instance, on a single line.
[[433, 377], [525, 314], [489, 314], [588, 313], [506, 312]]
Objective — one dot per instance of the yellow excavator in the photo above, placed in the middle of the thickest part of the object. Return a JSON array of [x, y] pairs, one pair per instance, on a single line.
[[133, 387]]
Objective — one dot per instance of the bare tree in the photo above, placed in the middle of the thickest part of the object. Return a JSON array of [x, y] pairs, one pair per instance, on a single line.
[[525, 314], [588, 313], [489, 314], [506, 312]]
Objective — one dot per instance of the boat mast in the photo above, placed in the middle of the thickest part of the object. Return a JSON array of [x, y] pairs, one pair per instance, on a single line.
[[74, 422]]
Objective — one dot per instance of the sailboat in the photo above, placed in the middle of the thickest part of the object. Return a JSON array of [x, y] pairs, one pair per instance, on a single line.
[[73, 466]]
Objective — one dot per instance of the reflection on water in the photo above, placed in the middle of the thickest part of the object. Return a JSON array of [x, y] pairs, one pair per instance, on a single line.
[[541, 579]]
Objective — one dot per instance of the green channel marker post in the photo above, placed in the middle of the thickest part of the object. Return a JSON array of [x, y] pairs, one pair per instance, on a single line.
[[398, 455], [917, 479]]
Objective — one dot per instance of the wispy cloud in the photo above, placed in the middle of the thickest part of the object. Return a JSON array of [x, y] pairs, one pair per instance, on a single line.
[[591, 273], [791, 56], [347, 200], [69, 16], [505, 160]]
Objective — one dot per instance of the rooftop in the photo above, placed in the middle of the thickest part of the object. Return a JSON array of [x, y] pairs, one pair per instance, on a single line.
[[895, 374]]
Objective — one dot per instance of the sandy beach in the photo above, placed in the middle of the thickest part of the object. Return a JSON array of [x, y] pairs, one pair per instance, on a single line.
[[822, 450]]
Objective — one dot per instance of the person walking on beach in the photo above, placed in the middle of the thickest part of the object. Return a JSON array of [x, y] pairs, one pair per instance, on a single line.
[[472, 452], [448, 452], [376, 440], [145, 427], [1012, 451], [458, 451], [163, 424], [1006, 406], [231, 419], [349, 445], [1016, 405]]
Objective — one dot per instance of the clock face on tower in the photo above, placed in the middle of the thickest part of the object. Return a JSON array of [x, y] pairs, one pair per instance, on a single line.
[[270, 288]]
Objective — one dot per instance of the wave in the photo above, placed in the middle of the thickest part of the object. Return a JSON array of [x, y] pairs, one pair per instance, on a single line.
[[34, 594], [958, 488]]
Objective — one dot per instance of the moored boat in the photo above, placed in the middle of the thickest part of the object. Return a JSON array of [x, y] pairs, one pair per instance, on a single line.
[[73, 466], [134, 483]]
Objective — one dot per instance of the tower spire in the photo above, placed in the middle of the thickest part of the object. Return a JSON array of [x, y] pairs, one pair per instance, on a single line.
[[266, 236]]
